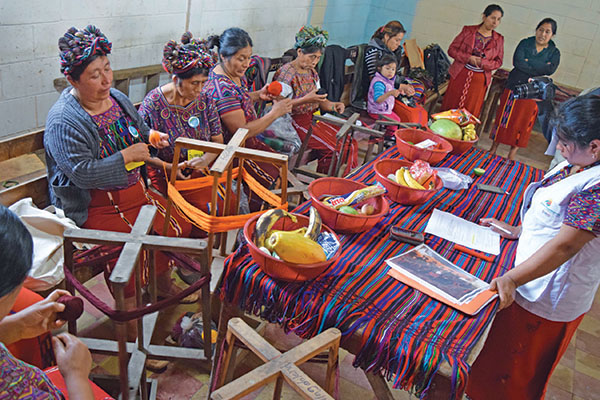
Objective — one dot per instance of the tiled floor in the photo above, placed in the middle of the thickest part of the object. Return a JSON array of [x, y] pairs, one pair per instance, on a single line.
[[576, 377]]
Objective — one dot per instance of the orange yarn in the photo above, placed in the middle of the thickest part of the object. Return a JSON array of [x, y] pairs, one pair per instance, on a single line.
[[214, 224]]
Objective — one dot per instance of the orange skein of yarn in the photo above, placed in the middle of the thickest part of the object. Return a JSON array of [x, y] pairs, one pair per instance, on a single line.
[[274, 88], [154, 138]]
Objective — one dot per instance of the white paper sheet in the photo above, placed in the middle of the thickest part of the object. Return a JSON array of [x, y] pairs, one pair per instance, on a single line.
[[463, 232]]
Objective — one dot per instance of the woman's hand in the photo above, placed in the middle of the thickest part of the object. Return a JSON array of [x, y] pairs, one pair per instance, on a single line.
[[506, 289], [136, 153], [281, 107], [164, 140], [514, 231], [264, 95], [339, 107], [40, 317], [197, 162], [474, 60], [74, 363], [313, 97], [406, 89]]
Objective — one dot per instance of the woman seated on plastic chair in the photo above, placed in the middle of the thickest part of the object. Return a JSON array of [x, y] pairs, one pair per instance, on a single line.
[[386, 41], [19, 380], [301, 75]]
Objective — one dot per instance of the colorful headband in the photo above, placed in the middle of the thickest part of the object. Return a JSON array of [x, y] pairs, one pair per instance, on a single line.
[[191, 53], [311, 36], [77, 46]]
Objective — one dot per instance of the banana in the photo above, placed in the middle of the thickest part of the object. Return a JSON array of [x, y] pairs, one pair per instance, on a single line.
[[400, 177], [294, 248], [411, 182], [266, 222], [314, 225]]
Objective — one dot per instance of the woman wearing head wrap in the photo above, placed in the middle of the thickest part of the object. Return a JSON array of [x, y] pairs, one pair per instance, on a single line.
[[180, 109], [387, 40], [227, 87], [19, 380], [477, 51], [301, 75], [96, 146]]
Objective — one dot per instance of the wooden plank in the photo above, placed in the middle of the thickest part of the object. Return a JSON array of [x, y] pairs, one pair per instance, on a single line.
[[36, 188], [136, 368], [17, 145], [157, 352], [122, 85], [379, 386], [152, 81]]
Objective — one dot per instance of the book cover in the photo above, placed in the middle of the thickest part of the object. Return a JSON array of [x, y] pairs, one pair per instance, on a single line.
[[425, 270]]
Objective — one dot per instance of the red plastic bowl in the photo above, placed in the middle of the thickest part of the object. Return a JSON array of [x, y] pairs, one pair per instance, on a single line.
[[412, 153], [460, 146], [402, 194], [337, 220], [280, 269]]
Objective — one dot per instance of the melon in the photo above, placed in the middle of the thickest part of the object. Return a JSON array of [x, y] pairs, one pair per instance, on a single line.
[[447, 128]]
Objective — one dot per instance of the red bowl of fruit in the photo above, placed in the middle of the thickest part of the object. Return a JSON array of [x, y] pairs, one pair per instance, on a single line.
[[368, 212], [405, 193], [408, 138], [276, 267], [460, 146]]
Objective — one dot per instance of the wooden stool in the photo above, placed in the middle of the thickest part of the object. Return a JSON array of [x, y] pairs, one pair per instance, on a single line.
[[278, 366]]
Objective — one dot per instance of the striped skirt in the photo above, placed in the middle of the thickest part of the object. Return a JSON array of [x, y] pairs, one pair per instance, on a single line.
[[514, 120], [466, 90]]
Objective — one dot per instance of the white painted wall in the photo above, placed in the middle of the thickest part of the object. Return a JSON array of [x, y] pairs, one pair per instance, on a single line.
[[578, 35], [29, 34]]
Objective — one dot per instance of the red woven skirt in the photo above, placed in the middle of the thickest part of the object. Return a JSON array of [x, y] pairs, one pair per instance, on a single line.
[[514, 120], [324, 143], [417, 115], [519, 356], [117, 210], [36, 351], [466, 90]]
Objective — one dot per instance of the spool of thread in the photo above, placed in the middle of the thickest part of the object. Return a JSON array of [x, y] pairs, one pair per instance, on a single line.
[[274, 88], [73, 308]]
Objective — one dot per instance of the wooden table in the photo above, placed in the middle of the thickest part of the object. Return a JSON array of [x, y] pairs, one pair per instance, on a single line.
[[391, 328]]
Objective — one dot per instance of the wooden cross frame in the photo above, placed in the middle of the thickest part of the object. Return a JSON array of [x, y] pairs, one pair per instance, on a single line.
[[224, 164], [278, 366], [344, 134], [132, 373]]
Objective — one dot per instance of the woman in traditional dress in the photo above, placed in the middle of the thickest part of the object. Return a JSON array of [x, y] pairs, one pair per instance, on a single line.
[[96, 146], [180, 109], [20, 380], [226, 85], [557, 269], [535, 56], [386, 41], [301, 75], [477, 51]]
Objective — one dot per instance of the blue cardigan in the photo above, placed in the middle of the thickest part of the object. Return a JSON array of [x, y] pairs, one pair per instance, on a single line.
[[73, 160]]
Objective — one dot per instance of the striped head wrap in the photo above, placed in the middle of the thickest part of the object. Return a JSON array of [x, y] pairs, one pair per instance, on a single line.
[[77, 46], [311, 36], [191, 53]]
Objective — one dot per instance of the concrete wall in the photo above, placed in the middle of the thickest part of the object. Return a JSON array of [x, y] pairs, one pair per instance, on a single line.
[[138, 30], [578, 35]]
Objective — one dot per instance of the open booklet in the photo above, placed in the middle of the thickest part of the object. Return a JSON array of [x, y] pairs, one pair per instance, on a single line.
[[427, 271]]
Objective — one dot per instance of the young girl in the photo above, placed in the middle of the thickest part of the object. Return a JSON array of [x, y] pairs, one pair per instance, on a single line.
[[382, 93]]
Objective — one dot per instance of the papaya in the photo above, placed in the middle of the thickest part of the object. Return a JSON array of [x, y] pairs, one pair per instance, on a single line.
[[296, 248]]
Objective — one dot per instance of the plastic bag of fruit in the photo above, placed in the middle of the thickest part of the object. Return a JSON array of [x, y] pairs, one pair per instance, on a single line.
[[460, 116]]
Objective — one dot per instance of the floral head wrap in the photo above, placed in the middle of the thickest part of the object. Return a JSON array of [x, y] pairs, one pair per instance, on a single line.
[[191, 53], [77, 46], [311, 36]]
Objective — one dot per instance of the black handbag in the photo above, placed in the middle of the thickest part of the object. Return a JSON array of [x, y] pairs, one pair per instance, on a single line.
[[437, 64]]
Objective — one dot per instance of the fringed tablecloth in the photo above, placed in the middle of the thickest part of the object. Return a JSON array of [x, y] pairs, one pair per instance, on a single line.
[[405, 334]]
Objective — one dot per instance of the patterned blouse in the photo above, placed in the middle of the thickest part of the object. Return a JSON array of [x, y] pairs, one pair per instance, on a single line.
[[117, 132], [198, 120], [583, 211], [478, 47], [19, 380], [302, 83], [229, 97]]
